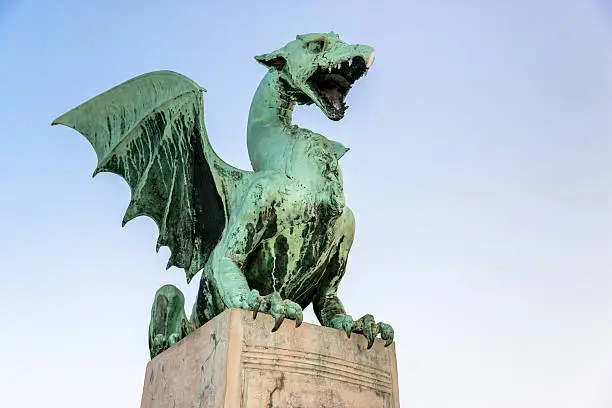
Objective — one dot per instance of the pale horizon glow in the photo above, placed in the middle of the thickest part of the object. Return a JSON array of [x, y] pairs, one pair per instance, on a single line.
[[480, 173]]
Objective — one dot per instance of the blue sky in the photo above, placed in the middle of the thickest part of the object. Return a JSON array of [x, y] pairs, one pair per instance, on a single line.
[[479, 172]]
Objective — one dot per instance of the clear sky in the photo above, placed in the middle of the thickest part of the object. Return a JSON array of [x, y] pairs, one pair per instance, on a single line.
[[480, 173]]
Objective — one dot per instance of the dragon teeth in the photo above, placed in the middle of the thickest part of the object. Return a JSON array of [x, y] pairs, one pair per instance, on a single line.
[[350, 61], [370, 60]]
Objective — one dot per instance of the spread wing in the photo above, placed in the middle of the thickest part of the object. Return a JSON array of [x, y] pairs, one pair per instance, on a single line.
[[150, 130]]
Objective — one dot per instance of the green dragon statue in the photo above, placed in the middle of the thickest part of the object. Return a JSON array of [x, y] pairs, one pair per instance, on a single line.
[[270, 240]]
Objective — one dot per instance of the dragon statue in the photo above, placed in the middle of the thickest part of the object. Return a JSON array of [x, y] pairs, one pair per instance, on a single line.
[[270, 240]]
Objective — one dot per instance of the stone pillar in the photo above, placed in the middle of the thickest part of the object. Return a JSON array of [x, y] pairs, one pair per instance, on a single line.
[[234, 361]]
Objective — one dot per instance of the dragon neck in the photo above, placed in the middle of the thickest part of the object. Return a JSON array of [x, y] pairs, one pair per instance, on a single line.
[[268, 128]]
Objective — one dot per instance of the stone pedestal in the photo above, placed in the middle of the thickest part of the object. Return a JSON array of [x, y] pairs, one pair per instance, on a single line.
[[236, 362]]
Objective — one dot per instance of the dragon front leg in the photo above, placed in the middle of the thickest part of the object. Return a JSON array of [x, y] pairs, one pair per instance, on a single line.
[[234, 292], [255, 221], [329, 308]]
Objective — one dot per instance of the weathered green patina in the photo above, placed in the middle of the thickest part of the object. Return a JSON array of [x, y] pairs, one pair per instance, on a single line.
[[270, 240]]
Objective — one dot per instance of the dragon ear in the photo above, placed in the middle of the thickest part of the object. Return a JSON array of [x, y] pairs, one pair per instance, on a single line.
[[272, 60]]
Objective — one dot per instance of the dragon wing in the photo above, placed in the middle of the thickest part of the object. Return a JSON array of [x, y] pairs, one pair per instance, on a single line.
[[150, 130]]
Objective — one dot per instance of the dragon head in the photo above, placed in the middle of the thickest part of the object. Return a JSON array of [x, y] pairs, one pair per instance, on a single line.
[[320, 69]]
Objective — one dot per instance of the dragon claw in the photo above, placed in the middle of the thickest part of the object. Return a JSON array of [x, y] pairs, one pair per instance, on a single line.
[[348, 326], [158, 345], [162, 342], [173, 339], [386, 333], [277, 323], [366, 326], [299, 319], [343, 322], [274, 305]]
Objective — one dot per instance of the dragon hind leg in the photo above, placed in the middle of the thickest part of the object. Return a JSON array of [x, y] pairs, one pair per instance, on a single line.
[[168, 323]]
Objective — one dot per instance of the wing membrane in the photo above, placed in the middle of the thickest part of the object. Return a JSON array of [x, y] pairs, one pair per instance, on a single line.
[[150, 131]]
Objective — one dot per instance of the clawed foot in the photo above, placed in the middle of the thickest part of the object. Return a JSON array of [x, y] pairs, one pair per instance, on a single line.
[[366, 326], [163, 342], [274, 305]]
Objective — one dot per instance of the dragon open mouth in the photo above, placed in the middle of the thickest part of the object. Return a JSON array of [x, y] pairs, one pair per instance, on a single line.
[[332, 84]]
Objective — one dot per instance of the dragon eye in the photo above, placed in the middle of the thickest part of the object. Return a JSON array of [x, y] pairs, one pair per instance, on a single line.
[[315, 46]]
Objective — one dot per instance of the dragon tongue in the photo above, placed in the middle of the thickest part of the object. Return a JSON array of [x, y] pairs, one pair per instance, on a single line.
[[337, 79], [333, 95]]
